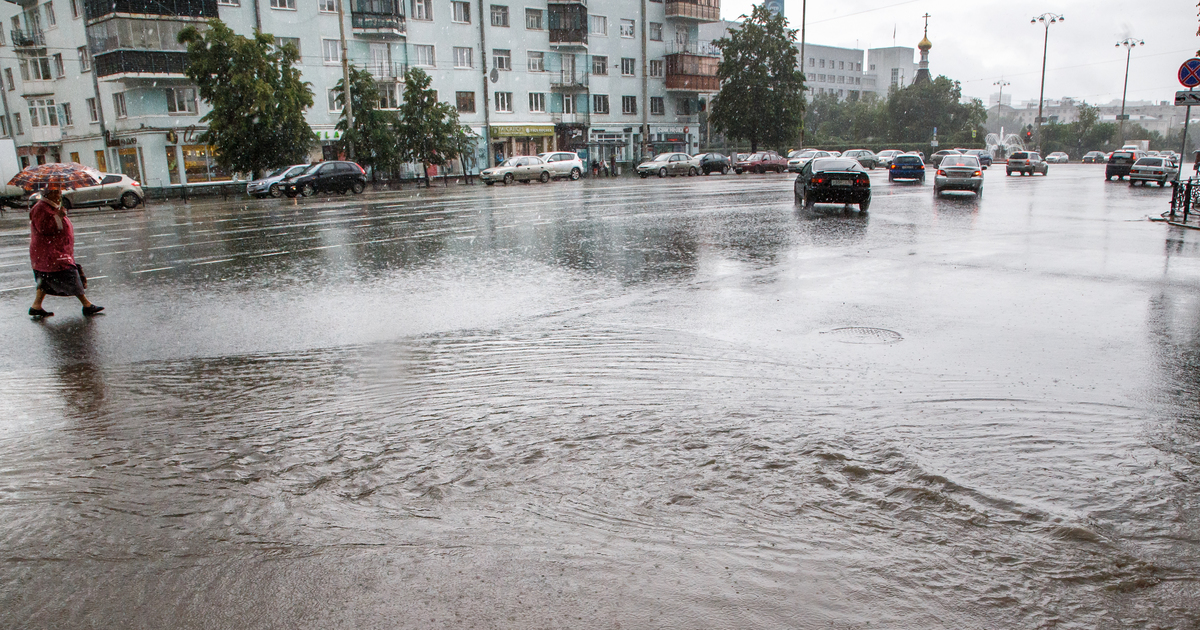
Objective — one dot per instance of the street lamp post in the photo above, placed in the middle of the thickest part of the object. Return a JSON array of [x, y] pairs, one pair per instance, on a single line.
[[1129, 43], [803, 63], [1046, 19], [1000, 103]]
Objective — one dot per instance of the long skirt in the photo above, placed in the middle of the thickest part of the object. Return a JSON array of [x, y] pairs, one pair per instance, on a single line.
[[63, 283]]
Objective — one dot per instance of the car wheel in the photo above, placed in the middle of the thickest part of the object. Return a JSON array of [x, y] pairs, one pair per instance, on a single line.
[[864, 205], [692, 171], [921, 180], [508, 179], [937, 192], [1009, 173], [662, 172], [490, 183], [724, 170], [809, 202], [307, 190], [575, 174], [643, 175], [545, 177], [358, 187], [274, 191], [130, 200]]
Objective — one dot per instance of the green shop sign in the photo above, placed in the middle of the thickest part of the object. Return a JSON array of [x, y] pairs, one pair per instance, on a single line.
[[511, 131]]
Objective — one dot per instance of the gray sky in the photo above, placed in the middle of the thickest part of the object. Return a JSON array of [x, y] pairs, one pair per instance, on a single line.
[[979, 43]]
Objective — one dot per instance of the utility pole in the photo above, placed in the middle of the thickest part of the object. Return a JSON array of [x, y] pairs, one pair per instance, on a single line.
[[1129, 43], [1046, 19], [803, 64], [487, 116], [348, 108], [641, 150]]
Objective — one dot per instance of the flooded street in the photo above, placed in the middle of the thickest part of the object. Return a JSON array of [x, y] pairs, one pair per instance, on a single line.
[[680, 403]]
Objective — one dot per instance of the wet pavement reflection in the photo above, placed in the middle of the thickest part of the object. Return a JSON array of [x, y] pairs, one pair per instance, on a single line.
[[597, 404]]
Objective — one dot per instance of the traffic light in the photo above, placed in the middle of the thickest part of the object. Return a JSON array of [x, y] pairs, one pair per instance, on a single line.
[[1028, 134]]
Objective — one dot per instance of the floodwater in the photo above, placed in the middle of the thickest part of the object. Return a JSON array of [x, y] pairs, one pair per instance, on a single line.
[[677, 403]]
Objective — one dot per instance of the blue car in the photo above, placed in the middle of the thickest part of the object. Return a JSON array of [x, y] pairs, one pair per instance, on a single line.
[[907, 166], [985, 158]]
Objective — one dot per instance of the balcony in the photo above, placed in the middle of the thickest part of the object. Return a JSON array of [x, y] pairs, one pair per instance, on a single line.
[[581, 118], [46, 134], [699, 10], [36, 87], [385, 25], [386, 71], [28, 39], [687, 72], [568, 22], [568, 81], [582, 3], [158, 63], [95, 9]]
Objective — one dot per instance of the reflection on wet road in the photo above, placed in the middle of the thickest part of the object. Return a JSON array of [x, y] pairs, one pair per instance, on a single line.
[[642, 404]]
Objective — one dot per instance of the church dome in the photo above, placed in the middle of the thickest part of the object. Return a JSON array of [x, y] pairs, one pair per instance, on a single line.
[[925, 44]]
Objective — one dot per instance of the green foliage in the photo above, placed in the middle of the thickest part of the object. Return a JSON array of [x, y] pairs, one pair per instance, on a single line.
[[374, 132], [830, 121], [762, 89], [256, 94], [915, 111], [429, 132]]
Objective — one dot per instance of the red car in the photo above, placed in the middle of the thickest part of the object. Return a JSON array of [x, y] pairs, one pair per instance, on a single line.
[[761, 162]]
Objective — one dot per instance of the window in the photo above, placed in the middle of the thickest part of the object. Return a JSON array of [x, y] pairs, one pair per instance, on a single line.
[[821, 78], [119, 105], [655, 32], [499, 15], [598, 25], [42, 113], [331, 51], [283, 4], [822, 63], [3, 126], [462, 11], [812, 61], [656, 67], [327, 6], [75, 12], [8, 78], [600, 103], [628, 65], [67, 119], [60, 70], [841, 65], [533, 19], [857, 80], [50, 21], [465, 101], [599, 64], [504, 102], [280, 42], [199, 164], [569, 104], [387, 96], [85, 60], [895, 76], [502, 59], [228, 3], [841, 79], [537, 102], [858, 67], [872, 67], [423, 55], [93, 111], [628, 28], [333, 101], [629, 105], [181, 100], [35, 69], [422, 9], [17, 124], [462, 57], [683, 106], [537, 62]]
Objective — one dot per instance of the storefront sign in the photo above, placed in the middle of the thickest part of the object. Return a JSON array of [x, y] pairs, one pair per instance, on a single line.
[[329, 135], [122, 142], [517, 131]]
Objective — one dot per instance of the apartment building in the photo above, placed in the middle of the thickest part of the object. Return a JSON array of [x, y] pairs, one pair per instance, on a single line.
[[101, 81], [1160, 116]]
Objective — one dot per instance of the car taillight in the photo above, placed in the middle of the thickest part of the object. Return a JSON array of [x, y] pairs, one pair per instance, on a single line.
[[978, 173], [862, 182], [892, 166], [941, 172], [818, 180], [137, 183]]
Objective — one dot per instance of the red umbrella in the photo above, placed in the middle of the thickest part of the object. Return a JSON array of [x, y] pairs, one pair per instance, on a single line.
[[58, 175]]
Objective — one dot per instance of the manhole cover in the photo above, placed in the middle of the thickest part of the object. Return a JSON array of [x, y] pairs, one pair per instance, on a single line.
[[861, 334]]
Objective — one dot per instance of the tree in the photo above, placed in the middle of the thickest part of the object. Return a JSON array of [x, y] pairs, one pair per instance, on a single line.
[[256, 94], [762, 89], [429, 131], [915, 111], [374, 132]]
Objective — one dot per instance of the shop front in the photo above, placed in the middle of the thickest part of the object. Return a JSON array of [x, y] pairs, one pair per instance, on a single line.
[[673, 139], [513, 140], [611, 145]]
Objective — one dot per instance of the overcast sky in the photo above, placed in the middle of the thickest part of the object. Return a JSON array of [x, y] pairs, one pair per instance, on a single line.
[[981, 42]]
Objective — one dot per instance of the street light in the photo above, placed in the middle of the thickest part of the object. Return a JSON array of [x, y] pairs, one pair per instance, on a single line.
[[1129, 44], [1047, 19], [1000, 102]]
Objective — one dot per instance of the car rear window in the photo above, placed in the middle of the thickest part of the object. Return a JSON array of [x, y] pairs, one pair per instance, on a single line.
[[835, 164], [1150, 162], [1121, 156], [907, 159], [961, 160], [1019, 155]]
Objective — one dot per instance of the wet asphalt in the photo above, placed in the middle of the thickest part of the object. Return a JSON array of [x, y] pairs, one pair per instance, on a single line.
[[610, 404]]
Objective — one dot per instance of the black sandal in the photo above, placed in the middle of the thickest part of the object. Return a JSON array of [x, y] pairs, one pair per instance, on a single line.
[[39, 313], [88, 311]]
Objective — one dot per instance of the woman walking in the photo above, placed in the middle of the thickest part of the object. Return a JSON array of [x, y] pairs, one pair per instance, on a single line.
[[52, 252]]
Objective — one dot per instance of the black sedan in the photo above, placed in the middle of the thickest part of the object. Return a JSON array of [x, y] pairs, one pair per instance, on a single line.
[[713, 163], [833, 180]]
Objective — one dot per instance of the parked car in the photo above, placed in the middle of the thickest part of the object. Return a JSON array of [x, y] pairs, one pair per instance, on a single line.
[[833, 180], [328, 177], [1094, 157], [802, 157], [907, 166], [761, 162], [835, 153], [114, 190], [1058, 157], [665, 164], [519, 168], [712, 163], [1153, 169], [864, 157], [959, 172], [563, 164], [936, 158], [269, 185], [984, 157], [885, 157], [1120, 163], [1027, 163]]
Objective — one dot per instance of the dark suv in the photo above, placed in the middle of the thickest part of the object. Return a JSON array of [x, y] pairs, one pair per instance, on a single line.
[[329, 177], [1120, 163]]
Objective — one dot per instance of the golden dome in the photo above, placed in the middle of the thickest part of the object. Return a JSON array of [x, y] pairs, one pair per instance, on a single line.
[[925, 44]]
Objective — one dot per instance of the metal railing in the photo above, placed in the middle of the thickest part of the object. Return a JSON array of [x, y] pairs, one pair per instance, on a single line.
[[386, 70], [703, 48], [379, 22], [27, 39], [578, 118], [182, 8], [568, 37], [1185, 198], [568, 79], [140, 62], [707, 10]]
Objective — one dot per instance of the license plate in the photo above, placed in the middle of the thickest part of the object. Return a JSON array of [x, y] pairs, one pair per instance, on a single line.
[[841, 182]]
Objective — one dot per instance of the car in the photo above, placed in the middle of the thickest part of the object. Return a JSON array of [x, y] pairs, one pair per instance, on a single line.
[[761, 162], [835, 153], [1058, 157], [833, 180], [885, 157], [984, 157], [936, 158], [113, 190], [1027, 163], [665, 164], [959, 172], [328, 177], [800, 158], [1094, 157], [907, 166], [1173, 156], [563, 164], [712, 163], [519, 168], [1120, 163], [864, 157], [1153, 169], [269, 184]]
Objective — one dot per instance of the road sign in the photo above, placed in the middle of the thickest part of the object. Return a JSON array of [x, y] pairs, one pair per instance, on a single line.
[[1189, 73], [934, 143], [1122, 116], [1187, 98]]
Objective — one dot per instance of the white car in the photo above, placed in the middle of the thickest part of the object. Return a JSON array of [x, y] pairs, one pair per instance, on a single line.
[[1058, 157], [563, 164], [114, 190], [885, 157], [796, 163], [524, 168]]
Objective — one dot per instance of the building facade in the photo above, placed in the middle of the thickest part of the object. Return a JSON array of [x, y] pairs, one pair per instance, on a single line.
[[1162, 116], [101, 82]]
